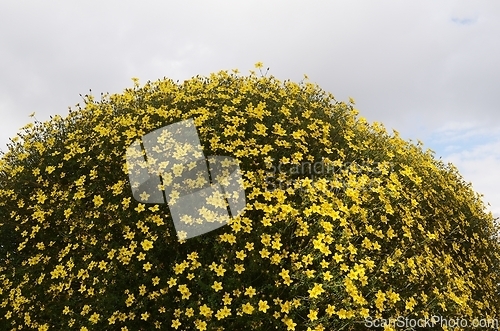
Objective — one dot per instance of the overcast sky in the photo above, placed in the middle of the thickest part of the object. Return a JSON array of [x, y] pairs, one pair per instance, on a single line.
[[429, 69]]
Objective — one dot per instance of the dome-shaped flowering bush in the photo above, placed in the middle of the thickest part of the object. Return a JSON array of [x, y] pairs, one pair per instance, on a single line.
[[343, 224]]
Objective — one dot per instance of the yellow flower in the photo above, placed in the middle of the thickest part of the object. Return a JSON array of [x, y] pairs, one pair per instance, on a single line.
[[316, 291], [313, 314], [410, 304], [239, 268], [250, 291], [277, 244], [102, 265], [227, 300], [284, 273], [142, 289], [144, 196], [172, 282], [184, 291], [263, 306], [67, 212], [330, 310], [259, 65], [189, 312], [379, 302], [217, 286], [241, 255], [201, 325], [264, 253], [94, 318], [220, 270], [147, 245], [260, 129], [140, 208], [342, 314], [247, 308], [147, 266], [327, 275], [223, 313], [206, 311], [278, 130], [41, 197], [176, 324], [290, 324]]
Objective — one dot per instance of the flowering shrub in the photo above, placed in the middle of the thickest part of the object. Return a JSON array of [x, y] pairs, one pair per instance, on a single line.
[[343, 221]]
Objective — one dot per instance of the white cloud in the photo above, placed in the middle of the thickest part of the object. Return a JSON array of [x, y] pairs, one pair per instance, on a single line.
[[479, 164], [464, 21]]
